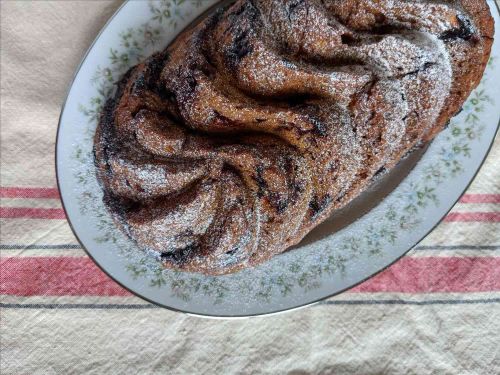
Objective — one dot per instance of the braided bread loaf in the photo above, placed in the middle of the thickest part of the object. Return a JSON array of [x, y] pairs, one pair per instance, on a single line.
[[255, 124]]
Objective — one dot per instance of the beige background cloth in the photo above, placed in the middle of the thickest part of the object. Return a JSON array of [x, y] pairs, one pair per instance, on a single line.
[[42, 43]]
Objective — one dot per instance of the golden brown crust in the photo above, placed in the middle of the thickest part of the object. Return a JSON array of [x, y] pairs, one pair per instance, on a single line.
[[253, 126]]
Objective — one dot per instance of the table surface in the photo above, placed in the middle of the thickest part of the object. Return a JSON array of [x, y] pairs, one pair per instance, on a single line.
[[61, 314]]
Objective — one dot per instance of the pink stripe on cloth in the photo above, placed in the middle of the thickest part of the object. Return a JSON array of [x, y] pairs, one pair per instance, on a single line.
[[480, 198], [53, 193], [488, 217], [58, 213], [29, 192], [59, 276], [31, 213], [437, 274], [55, 276]]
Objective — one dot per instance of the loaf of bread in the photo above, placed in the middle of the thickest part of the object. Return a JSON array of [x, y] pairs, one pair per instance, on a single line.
[[259, 121]]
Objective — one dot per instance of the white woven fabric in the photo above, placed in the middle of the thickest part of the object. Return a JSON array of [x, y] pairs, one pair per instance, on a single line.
[[42, 43]]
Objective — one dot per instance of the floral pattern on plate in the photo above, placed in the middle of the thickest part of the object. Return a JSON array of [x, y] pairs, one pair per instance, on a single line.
[[296, 277]]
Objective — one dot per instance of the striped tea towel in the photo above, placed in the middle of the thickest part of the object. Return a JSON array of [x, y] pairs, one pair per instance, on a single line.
[[435, 311]]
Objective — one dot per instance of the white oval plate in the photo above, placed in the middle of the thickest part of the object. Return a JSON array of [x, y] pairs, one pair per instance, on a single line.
[[328, 261]]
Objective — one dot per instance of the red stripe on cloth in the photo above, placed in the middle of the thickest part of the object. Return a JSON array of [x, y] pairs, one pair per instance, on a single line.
[[53, 193], [80, 276], [437, 274], [58, 213], [56, 277], [31, 213], [480, 198], [488, 217], [29, 192]]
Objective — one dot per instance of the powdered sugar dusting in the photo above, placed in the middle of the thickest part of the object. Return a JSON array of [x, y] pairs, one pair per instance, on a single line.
[[267, 119]]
